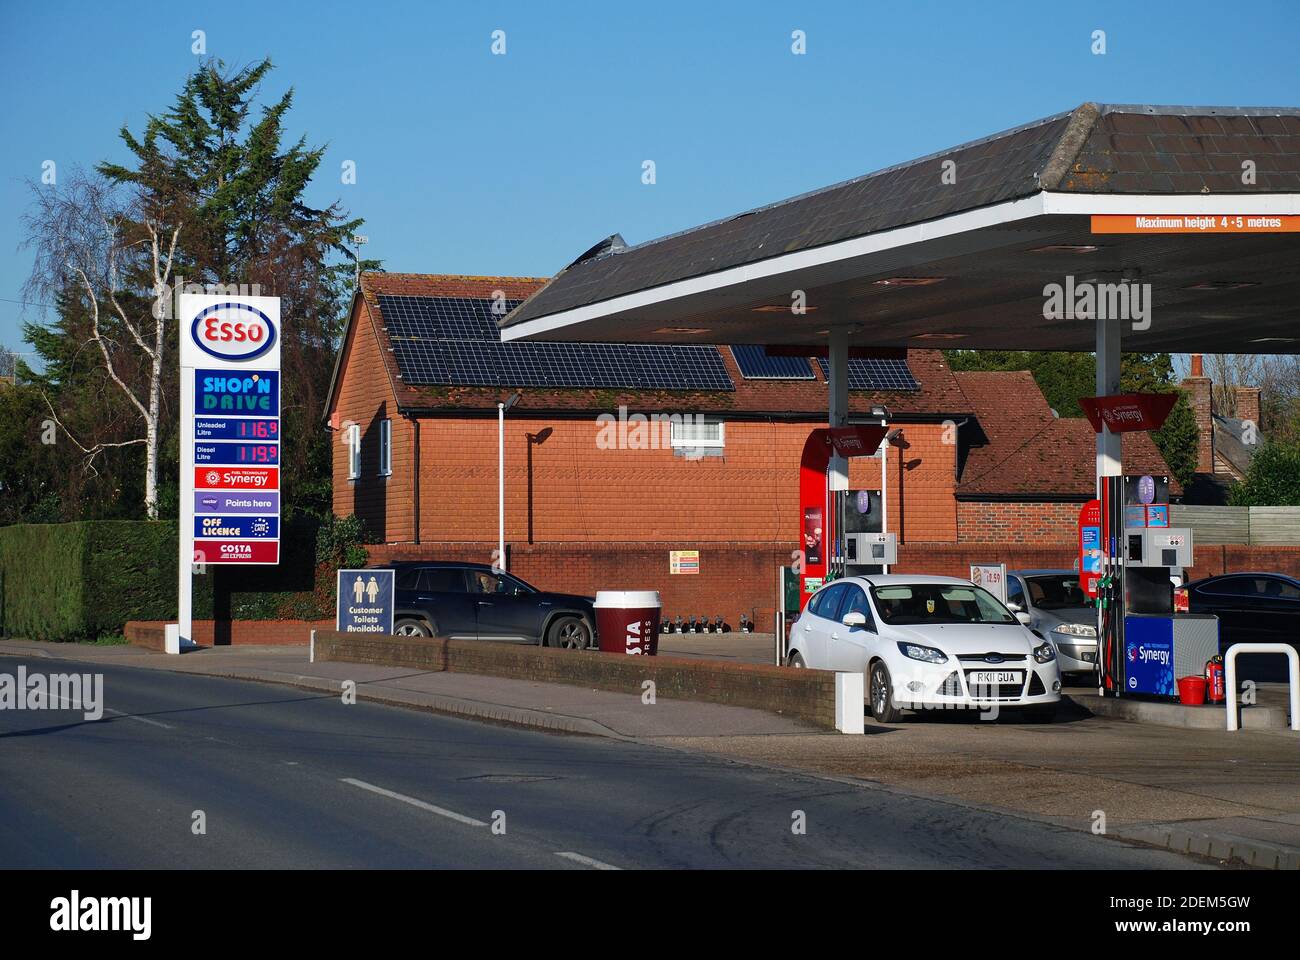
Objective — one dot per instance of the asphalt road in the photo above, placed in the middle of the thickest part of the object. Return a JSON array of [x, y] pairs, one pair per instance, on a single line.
[[301, 780]]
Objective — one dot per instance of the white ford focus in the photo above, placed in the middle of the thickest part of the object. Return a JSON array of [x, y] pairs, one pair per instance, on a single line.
[[926, 643]]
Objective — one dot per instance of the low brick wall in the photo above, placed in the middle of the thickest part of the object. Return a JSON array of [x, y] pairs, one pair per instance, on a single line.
[[149, 633], [1214, 559], [804, 694]]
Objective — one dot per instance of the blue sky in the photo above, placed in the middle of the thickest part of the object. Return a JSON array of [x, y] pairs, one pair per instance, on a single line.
[[473, 163]]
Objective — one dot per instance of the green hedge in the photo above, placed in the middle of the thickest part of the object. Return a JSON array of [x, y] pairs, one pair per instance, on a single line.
[[76, 581], [80, 581]]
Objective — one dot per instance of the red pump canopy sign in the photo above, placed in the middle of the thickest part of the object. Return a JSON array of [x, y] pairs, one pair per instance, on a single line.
[[817, 524], [1128, 412]]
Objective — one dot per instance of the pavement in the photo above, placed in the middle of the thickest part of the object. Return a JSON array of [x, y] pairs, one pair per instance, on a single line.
[[1228, 796]]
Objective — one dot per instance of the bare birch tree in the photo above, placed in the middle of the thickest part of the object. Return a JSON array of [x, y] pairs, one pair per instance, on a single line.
[[92, 240]]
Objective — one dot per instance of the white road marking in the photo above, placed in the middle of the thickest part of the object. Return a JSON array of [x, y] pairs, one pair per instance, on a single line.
[[587, 861], [132, 716], [440, 811]]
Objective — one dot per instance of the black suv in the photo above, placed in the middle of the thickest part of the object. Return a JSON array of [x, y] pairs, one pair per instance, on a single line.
[[472, 601]]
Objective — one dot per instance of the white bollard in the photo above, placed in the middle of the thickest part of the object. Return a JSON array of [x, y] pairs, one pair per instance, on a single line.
[[172, 638], [1230, 677], [849, 703]]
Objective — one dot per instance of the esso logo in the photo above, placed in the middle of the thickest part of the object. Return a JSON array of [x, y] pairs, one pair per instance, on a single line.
[[233, 331]]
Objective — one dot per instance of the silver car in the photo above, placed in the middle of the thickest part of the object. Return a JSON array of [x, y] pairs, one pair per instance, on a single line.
[[1059, 612]]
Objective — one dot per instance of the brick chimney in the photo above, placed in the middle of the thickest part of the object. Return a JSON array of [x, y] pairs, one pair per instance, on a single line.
[[1246, 400], [1200, 393]]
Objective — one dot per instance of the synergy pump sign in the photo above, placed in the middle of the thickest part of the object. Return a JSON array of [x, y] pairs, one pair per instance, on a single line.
[[230, 434]]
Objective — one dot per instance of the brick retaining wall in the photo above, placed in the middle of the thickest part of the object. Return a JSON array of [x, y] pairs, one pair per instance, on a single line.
[[804, 694], [149, 633]]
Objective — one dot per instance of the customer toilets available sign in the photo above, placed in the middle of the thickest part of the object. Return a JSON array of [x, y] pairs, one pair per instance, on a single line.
[[230, 428], [365, 601]]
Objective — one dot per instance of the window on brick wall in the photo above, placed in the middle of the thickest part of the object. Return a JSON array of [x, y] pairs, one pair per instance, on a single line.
[[354, 451], [385, 448], [698, 436]]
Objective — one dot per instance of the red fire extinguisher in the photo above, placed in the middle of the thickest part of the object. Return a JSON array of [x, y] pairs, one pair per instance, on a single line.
[[1214, 691]]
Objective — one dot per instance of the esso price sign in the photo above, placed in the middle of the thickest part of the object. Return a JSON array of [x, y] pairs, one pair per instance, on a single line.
[[233, 331]]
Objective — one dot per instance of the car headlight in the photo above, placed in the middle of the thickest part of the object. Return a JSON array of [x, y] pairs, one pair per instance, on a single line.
[[1044, 653], [1075, 629], [918, 652]]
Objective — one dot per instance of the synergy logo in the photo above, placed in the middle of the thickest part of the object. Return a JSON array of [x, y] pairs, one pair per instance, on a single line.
[[233, 331], [1148, 655], [237, 478]]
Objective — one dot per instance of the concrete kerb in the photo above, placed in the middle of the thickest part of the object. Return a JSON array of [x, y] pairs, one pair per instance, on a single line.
[[1216, 846], [1257, 719]]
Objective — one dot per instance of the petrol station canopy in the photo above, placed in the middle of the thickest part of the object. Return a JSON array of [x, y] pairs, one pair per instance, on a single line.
[[955, 249]]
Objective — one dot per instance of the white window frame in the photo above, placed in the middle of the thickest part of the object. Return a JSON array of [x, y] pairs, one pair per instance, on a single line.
[[385, 448], [354, 451], [680, 442]]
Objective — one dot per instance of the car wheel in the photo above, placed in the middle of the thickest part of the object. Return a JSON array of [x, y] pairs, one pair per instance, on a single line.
[[882, 695], [410, 627], [795, 660], [569, 633]]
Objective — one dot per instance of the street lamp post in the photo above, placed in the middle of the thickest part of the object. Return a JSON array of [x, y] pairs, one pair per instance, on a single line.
[[882, 413], [502, 407]]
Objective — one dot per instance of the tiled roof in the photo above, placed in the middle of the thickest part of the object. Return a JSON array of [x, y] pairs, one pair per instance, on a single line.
[[939, 395], [1095, 148], [376, 285], [1030, 452], [1228, 444]]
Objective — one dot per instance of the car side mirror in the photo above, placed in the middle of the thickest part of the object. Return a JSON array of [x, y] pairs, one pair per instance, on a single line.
[[1014, 606], [1024, 618], [854, 619]]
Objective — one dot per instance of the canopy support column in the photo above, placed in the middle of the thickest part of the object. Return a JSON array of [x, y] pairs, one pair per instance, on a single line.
[[838, 414], [1109, 458]]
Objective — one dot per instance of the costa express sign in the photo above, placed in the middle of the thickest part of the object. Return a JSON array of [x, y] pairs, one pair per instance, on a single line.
[[1128, 412]]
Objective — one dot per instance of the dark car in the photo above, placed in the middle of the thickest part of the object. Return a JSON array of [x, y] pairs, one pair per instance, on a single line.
[[1252, 608], [473, 601]]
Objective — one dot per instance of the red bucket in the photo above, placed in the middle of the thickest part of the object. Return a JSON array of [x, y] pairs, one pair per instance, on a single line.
[[1191, 691]]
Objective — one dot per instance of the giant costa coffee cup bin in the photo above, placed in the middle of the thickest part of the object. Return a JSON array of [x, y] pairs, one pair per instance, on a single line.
[[627, 621]]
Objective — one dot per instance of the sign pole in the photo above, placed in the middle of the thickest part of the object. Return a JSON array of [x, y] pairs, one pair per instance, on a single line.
[[185, 557]]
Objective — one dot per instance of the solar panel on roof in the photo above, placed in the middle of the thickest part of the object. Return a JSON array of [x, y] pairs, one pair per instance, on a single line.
[[876, 374], [755, 364], [455, 341]]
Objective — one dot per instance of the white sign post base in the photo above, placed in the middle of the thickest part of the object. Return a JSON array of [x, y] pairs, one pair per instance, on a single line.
[[849, 703]]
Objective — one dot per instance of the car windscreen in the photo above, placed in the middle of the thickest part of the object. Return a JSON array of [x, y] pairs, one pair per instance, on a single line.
[[1056, 592], [919, 603]]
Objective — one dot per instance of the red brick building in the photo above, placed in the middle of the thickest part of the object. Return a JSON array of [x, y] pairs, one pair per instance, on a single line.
[[982, 462]]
